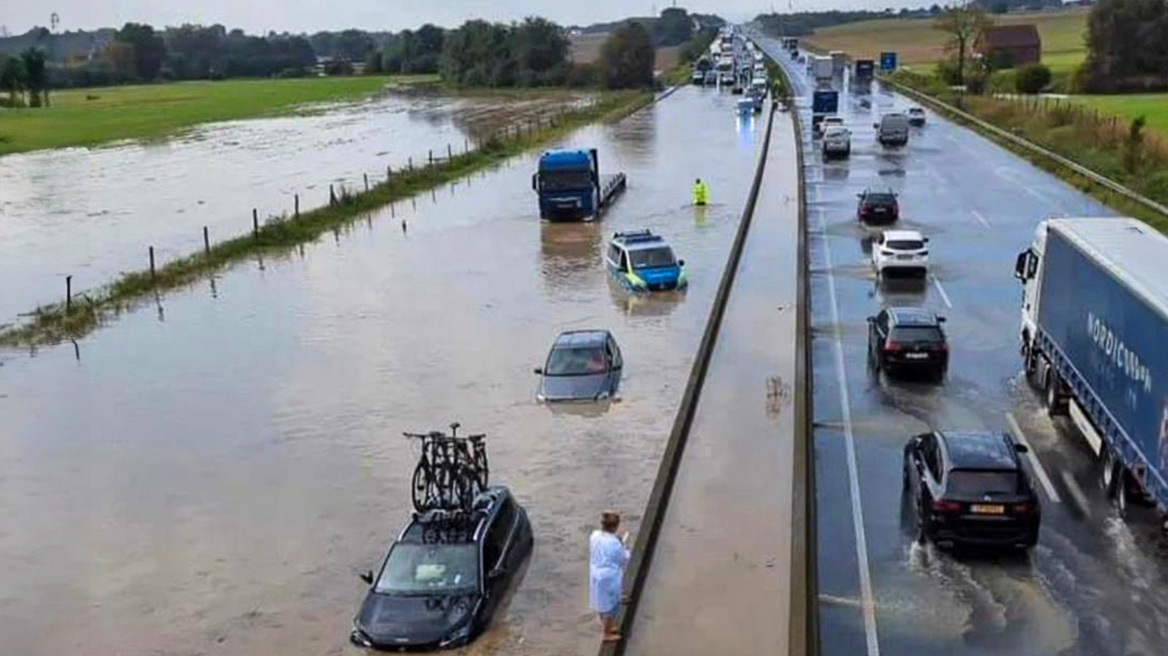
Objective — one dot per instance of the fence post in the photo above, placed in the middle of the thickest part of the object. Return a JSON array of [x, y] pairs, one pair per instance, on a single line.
[[151, 263], [431, 156], [255, 222], [411, 162], [297, 209], [68, 294], [206, 242], [366, 183], [388, 173], [332, 196], [466, 146], [449, 153]]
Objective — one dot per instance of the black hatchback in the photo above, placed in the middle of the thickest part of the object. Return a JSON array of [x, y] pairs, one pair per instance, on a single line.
[[906, 340], [877, 207], [444, 577], [970, 489]]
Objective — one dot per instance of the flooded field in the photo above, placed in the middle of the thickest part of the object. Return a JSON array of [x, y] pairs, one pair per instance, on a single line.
[[211, 476], [93, 213]]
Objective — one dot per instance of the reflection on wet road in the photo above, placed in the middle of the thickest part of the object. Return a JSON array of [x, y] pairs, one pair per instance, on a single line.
[[93, 213], [213, 482], [1094, 585]]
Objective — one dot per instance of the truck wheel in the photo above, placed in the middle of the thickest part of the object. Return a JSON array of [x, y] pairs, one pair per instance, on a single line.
[[1053, 403]]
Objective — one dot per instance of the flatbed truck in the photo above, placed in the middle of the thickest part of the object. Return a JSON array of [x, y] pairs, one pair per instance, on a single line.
[[571, 188]]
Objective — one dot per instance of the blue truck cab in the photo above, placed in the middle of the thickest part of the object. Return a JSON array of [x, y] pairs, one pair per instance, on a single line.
[[643, 261], [570, 186]]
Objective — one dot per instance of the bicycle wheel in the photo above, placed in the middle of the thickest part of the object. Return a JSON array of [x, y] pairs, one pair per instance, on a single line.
[[481, 467], [420, 490]]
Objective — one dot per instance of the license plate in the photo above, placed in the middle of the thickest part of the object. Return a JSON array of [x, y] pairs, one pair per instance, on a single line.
[[987, 509], [916, 356], [904, 257]]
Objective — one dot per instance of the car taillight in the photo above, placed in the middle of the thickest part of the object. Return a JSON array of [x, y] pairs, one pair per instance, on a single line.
[[941, 348], [893, 347], [1024, 508], [946, 507]]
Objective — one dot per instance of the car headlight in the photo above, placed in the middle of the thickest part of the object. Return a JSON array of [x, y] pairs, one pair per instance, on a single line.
[[456, 637], [603, 396], [357, 636]]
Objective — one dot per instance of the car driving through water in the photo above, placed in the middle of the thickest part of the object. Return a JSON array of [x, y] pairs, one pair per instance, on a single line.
[[583, 365]]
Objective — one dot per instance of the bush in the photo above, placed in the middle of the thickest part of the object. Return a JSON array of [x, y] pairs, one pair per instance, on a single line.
[[1156, 186], [1032, 78], [947, 71]]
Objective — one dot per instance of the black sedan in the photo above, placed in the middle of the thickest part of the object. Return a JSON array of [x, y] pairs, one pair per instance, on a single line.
[[970, 489], [583, 365], [908, 339], [444, 577], [877, 207]]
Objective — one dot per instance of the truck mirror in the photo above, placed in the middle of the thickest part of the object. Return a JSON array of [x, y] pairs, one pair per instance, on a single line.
[[535, 181], [1021, 448], [1020, 265]]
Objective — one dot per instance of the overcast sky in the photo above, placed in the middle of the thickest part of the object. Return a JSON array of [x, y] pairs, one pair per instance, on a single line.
[[312, 15]]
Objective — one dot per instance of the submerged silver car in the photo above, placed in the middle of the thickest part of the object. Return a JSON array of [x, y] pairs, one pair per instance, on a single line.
[[583, 365]]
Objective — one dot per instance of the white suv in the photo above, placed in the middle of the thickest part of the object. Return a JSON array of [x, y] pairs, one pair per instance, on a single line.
[[837, 142], [827, 122], [901, 251]]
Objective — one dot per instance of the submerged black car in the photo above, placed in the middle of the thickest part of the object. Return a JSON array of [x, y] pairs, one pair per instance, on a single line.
[[583, 365], [444, 577], [970, 489]]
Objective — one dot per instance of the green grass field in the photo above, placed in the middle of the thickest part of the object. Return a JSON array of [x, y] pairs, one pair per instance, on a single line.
[[1152, 106], [87, 117], [917, 42]]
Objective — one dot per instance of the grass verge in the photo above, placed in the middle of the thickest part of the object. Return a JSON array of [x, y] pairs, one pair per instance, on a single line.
[[88, 117], [53, 324], [1082, 137]]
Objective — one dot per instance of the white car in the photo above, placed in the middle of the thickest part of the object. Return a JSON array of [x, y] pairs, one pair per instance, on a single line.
[[916, 117], [901, 252], [827, 122], [837, 142]]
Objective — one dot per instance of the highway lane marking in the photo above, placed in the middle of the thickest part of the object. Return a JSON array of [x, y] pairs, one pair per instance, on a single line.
[[981, 219], [944, 296], [1076, 492], [867, 598], [1035, 463]]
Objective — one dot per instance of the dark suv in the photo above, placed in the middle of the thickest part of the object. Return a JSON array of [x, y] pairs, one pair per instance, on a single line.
[[908, 339], [444, 577], [877, 207], [970, 489]]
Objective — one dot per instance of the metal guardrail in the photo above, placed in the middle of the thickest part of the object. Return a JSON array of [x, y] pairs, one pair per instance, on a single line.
[[650, 530], [1028, 145]]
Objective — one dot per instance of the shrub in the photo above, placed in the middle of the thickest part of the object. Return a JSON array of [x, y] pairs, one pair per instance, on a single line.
[[1157, 185], [1032, 78]]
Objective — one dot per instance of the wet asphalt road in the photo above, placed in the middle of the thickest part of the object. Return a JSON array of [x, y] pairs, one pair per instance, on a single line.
[[719, 579], [1095, 585], [213, 472]]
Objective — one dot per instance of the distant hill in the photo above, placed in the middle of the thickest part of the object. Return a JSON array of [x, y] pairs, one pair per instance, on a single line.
[[60, 47]]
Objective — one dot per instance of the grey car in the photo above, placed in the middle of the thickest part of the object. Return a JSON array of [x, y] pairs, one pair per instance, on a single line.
[[583, 365]]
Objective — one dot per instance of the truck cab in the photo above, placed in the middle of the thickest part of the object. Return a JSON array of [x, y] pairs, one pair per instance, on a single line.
[[567, 184]]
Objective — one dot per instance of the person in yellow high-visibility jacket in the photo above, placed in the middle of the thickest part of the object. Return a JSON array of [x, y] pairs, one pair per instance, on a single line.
[[701, 192]]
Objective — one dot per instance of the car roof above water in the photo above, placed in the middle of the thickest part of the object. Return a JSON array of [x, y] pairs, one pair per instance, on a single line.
[[979, 450], [581, 338], [451, 528]]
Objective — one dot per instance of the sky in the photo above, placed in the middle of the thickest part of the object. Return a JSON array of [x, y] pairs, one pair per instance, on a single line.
[[260, 16]]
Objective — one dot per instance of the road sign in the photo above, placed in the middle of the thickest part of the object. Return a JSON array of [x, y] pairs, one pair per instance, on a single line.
[[888, 61]]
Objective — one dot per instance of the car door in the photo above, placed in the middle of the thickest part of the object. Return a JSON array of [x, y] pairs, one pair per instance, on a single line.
[[877, 330]]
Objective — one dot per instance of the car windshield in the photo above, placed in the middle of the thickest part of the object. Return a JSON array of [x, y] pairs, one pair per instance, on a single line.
[[905, 244], [429, 568], [916, 334], [652, 257], [916, 110], [969, 481], [877, 198], [565, 180], [578, 361]]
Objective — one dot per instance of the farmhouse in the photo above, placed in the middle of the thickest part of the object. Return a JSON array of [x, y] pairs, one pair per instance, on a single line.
[[1010, 45]]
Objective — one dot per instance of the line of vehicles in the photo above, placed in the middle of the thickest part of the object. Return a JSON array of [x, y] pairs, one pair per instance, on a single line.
[[1093, 331], [734, 62]]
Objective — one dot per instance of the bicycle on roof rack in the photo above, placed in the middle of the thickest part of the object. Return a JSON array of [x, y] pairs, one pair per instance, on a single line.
[[451, 471]]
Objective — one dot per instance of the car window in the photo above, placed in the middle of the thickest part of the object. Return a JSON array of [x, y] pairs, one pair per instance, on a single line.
[[496, 538], [652, 257], [906, 244], [624, 261], [932, 456], [614, 253], [578, 361], [426, 568], [916, 334], [969, 481], [882, 323], [879, 198]]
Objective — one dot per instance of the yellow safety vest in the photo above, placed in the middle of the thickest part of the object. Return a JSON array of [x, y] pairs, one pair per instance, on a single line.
[[701, 193]]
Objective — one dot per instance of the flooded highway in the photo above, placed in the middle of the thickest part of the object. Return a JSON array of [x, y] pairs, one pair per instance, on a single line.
[[92, 213], [211, 474], [1095, 584]]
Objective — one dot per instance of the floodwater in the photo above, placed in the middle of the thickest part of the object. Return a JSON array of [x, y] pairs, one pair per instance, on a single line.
[[210, 476], [93, 213]]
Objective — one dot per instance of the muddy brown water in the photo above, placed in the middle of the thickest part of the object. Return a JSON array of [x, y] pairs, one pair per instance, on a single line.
[[93, 213], [210, 478]]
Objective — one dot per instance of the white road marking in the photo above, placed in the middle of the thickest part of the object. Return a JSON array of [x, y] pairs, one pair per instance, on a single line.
[[944, 296], [1035, 463], [981, 219], [867, 598], [1076, 492], [1041, 197]]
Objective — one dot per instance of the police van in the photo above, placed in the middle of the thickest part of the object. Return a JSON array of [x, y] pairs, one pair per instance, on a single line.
[[643, 261]]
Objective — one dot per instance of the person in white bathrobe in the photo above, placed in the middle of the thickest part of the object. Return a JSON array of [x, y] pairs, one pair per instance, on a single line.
[[608, 556]]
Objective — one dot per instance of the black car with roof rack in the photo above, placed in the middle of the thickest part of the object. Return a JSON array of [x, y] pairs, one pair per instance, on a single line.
[[443, 578], [969, 488]]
